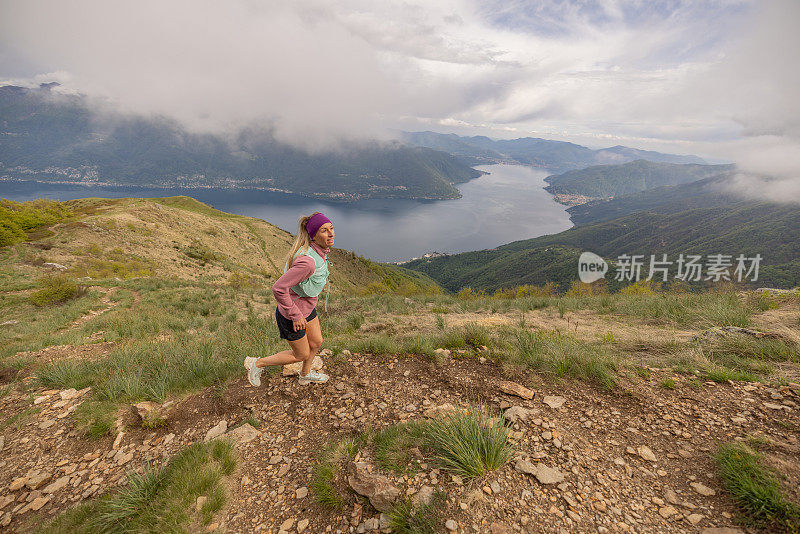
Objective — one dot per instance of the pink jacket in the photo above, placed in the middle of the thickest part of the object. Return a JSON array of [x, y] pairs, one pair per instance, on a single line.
[[290, 304]]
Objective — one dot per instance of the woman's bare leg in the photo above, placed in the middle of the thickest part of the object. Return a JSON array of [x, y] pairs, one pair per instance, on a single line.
[[299, 352], [314, 336]]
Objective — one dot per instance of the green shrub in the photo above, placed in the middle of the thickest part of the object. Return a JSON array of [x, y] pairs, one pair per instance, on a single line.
[[355, 320], [198, 251], [18, 217], [239, 280], [56, 289]]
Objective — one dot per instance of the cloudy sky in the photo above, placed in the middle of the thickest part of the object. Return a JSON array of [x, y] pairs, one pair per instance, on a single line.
[[717, 78]]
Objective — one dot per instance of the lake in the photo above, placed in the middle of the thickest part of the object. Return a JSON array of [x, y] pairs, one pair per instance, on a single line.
[[507, 205]]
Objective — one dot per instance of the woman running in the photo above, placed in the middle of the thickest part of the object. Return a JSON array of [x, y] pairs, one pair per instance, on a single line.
[[296, 291]]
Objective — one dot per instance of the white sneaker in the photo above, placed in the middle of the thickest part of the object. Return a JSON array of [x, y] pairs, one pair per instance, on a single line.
[[313, 377], [253, 372]]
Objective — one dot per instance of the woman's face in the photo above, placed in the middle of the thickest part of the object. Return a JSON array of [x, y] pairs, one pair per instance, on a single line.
[[324, 236]]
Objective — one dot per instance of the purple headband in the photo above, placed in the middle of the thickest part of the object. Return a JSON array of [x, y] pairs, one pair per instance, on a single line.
[[313, 224]]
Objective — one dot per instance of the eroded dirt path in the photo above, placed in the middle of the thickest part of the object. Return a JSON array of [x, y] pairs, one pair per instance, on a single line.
[[594, 440]]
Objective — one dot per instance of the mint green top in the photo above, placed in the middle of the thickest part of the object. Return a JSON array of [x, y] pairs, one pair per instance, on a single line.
[[314, 284]]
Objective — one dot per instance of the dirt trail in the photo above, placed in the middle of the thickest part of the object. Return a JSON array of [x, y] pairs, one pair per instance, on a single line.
[[592, 440]]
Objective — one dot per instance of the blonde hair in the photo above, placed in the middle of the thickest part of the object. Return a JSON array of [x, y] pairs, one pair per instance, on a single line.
[[303, 240]]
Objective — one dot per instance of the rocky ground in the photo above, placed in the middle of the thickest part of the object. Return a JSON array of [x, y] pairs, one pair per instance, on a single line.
[[635, 459]]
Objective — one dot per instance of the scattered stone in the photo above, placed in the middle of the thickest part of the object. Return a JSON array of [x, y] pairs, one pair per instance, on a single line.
[[548, 475], [286, 525], [37, 479], [68, 394], [57, 485], [451, 525], [377, 488], [645, 452], [512, 388], [38, 503], [423, 496], [17, 483], [201, 500], [301, 493], [244, 433], [498, 528], [721, 530], [292, 369], [302, 525], [524, 466], [118, 440], [667, 511], [702, 489], [217, 430], [555, 402], [55, 267], [695, 518], [516, 414]]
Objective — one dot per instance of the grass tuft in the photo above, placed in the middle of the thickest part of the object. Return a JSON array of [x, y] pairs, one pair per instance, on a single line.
[[468, 442], [159, 498], [327, 477], [755, 488], [563, 355], [404, 518]]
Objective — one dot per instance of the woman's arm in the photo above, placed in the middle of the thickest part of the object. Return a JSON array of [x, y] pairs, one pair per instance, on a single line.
[[302, 268]]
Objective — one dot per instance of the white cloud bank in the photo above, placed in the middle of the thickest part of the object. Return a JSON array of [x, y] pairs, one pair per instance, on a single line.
[[717, 78]]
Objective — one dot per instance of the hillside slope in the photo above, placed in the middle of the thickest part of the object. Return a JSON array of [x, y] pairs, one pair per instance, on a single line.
[[183, 239]]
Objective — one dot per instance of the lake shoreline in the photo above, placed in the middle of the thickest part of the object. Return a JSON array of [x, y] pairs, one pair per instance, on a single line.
[[506, 203]]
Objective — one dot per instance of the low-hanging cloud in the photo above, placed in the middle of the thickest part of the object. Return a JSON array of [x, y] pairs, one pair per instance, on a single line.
[[687, 77]]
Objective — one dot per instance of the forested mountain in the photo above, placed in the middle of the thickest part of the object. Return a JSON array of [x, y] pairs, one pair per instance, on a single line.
[[743, 227], [49, 136], [603, 181], [706, 193]]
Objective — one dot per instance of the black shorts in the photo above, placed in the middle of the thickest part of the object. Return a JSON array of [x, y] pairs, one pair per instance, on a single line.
[[286, 326]]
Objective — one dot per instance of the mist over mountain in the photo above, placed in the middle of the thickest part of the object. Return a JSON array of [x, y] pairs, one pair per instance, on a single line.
[[50, 136], [555, 156]]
